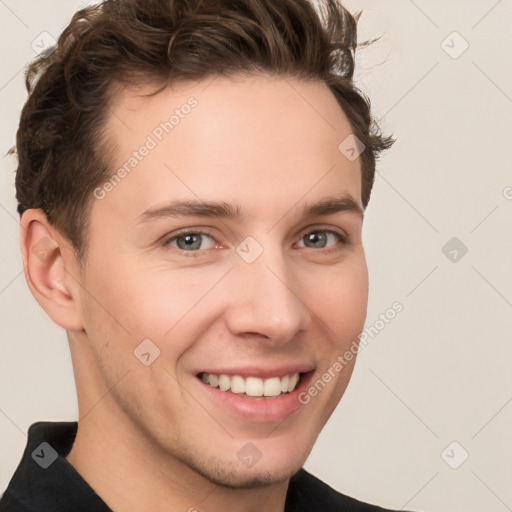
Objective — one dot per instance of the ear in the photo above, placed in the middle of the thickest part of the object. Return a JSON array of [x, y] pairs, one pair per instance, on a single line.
[[51, 269]]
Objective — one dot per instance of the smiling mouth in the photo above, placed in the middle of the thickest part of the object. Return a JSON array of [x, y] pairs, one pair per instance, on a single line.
[[252, 387]]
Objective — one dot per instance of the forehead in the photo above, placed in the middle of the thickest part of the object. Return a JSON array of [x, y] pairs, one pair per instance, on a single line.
[[227, 139]]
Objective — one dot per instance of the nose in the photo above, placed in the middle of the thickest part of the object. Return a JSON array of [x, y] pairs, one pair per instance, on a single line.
[[266, 300]]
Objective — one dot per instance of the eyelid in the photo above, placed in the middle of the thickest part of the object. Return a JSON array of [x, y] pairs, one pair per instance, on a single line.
[[343, 236], [327, 229], [165, 240]]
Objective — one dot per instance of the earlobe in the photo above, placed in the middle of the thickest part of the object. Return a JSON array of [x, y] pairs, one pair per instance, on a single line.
[[47, 265]]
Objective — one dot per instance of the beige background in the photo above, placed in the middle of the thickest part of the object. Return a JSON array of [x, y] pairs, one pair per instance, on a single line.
[[437, 373]]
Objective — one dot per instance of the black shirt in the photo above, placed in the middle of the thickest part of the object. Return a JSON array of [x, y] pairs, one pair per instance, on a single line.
[[45, 481]]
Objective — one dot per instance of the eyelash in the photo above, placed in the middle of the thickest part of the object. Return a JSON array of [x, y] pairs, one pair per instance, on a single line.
[[343, 239]]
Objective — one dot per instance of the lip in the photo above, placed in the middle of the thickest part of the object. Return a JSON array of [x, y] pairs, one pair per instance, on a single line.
[[264, 410], [262, 373]]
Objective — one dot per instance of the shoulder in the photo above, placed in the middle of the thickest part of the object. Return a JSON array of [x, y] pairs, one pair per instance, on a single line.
[[308, 493]]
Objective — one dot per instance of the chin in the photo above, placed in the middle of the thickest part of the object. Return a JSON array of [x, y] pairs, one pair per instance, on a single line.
[[235, 476], [251, 478]]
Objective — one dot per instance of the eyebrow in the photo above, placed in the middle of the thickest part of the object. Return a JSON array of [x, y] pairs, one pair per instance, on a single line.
[[215, 209]]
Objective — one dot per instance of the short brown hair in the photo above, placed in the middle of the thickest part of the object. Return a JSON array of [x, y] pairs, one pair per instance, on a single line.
[[60, 161]]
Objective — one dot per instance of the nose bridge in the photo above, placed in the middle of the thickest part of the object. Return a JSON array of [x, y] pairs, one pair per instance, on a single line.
[[266, 301]]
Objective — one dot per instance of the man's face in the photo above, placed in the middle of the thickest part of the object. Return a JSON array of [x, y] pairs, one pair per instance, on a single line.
[[289, 299]]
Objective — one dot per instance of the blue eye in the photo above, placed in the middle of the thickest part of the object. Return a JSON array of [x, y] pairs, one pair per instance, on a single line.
[[319, 239], [196, 242], [190, 241]]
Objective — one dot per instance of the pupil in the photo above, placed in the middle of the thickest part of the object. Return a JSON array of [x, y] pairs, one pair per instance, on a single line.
[[315, 238], [190, 242]]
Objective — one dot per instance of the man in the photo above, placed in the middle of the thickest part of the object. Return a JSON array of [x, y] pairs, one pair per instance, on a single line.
[[192, 181]]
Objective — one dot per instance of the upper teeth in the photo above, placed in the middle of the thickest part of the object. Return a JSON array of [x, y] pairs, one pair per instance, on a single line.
[[252, 386]]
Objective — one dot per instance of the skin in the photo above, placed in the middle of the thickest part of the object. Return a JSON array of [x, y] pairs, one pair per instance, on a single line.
[[146, 434]]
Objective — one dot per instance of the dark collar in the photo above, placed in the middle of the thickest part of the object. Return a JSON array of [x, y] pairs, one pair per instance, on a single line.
[[46, 481]]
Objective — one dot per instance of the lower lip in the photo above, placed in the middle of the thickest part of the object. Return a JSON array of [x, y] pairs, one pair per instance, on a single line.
[[265, 410]]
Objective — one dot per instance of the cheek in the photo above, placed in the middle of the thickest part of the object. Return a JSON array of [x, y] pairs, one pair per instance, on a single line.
[[340, 302], [130, 303], [339, 298], [133, 303]]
